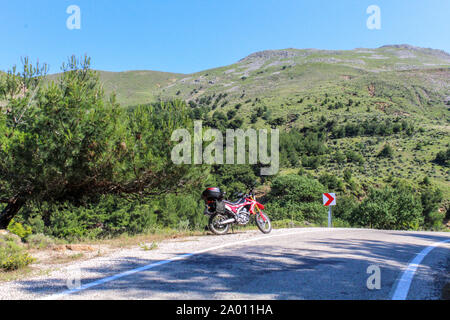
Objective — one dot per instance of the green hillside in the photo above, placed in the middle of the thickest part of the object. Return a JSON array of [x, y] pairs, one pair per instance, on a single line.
[[290, 72], [134, 87], [295, 88], [300, 88]]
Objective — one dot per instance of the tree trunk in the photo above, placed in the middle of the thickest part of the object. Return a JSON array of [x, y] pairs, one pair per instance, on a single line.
[[10, 211]]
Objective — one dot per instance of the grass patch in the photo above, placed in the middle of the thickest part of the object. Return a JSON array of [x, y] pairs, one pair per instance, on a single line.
[[146, 247], [19, 274], [62, 258], [39, 241]]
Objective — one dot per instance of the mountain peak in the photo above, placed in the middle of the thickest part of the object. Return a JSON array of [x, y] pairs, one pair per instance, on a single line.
[[269, 54], [292, 52], [434, 52]]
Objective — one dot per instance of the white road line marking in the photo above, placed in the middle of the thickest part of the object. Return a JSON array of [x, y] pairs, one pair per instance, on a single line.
[[402, 289], [162, 262]]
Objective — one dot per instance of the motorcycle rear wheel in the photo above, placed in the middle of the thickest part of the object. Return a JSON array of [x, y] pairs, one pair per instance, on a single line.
[[263, 226], [215, 227]]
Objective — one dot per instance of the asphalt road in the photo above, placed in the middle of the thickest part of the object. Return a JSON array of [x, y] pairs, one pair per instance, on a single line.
[[286, 264]]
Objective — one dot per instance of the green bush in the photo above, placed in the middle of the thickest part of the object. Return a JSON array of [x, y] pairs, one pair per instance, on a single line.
[[312, 162], [339, 157], [286, 211], [40, 241], [306, 212], [338, 223], [296, 198], [308, 146], [12, 255], [33, 214], [295, 188], [443, 157], [234, 178], [390, 208], [331, 182], [110, 216], [347, 175], [181, 212], [355, 157], [314, 212], [344, 208], [431, 197], [18, 229], [386, 152]]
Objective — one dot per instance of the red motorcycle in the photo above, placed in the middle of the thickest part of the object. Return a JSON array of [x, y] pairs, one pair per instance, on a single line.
[[223, 213]]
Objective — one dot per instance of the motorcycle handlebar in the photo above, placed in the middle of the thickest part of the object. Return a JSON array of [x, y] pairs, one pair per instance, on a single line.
[[244, 195]]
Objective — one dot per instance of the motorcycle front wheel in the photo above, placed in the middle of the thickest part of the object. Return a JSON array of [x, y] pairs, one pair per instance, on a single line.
[[214, 225], [263, 222]]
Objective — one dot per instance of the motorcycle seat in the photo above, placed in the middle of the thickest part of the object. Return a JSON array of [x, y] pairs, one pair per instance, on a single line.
[[234, 203]]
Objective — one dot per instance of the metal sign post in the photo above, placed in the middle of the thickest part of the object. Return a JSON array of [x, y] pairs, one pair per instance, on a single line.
[[329, 217], [329, 200]]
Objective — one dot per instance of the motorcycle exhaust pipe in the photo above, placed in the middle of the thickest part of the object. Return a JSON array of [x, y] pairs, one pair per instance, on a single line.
[[227, 221]]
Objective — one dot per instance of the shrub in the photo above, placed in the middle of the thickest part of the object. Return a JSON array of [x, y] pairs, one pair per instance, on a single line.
[[40, 241], [12, 255], [347, 175], [312, 162], [18, 229], [386, 152], [180, 211], [339, 157], [277, 122], [397, 208], [296, 188], [110, 216], [313, 212], [344, 208], [74, 223], [353, 156], [282, 211], [10, 237], [234, 178], [331, 182], [183, 225], [338, 223], [297, 198], [431, 197], [236, 123], [443, 158], [231, 114]]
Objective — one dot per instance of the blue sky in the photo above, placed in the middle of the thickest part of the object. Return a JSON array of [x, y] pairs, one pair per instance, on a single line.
[[193, 35]]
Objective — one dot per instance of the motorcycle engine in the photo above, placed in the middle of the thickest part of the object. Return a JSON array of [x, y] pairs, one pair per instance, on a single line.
[[243, 217]]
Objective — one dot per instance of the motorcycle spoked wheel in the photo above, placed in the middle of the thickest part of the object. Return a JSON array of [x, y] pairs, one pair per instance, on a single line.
[[264, 224], [215, 227]]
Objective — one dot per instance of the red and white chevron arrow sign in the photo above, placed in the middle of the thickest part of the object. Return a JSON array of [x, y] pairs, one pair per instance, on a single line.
[[329, 199]]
